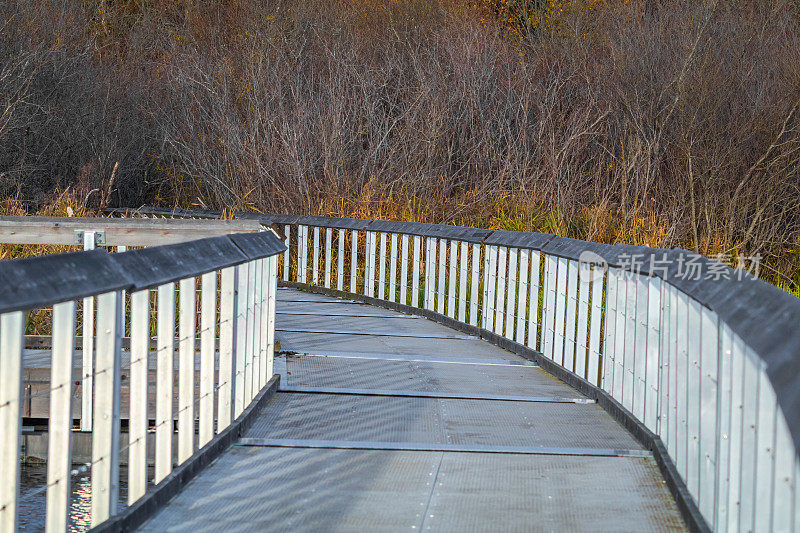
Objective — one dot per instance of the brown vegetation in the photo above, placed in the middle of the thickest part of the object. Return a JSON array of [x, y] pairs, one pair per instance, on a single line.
[[662, 123]]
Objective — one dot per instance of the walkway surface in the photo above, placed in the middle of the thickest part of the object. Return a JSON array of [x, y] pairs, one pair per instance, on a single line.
[[389, 422]]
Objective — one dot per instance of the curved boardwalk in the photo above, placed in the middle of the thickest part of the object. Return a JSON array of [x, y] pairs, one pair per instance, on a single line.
[[388, 422]]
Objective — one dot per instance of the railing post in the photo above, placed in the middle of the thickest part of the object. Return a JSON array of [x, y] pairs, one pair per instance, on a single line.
[[12, 330], [473, 305], [272, 282], [522, 294], [533, 299], [442, 264], [354, 261], [500, 297], [462, 289], [511, 293], [328, 253], [288, 230], [105, 436]]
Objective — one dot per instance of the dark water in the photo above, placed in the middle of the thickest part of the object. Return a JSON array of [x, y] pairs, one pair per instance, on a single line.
[[33, 498]]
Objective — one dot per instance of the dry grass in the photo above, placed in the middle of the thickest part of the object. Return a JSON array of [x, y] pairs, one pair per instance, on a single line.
[[668, 124]]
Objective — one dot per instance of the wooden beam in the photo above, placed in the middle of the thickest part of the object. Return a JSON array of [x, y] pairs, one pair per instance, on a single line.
[[117, 231]]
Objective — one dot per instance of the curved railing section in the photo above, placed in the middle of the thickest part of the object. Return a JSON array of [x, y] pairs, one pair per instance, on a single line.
[[138, 293], [702, 361]]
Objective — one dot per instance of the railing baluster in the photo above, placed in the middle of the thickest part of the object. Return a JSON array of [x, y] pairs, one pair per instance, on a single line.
[[165, 369], [240, 341], [492, 283], [59, 456], [353, 261], [404, 270], [452, 282], [382, 267], [227, 340], [271, 302], [262, 319], [12, 329], [328, 252], [511, 292], [473, 304], [288, 231], [340, 260], [549, 305], [582, 329], [315, 256], [137, 423], [595, 326], [393, 269], [87, 353], [415, 274], [187, 326], [463, 278], [571, 300], [442, 264], [522, 294], [105, 434], [500, 300], [208, 326]]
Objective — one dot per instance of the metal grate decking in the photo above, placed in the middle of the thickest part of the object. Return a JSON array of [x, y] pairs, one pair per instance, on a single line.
[[379, 432]]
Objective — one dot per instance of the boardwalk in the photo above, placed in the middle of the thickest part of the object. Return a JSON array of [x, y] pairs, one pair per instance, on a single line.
[[389, 422]]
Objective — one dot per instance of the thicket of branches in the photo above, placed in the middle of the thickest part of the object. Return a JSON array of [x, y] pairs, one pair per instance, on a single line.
[[537, 114]]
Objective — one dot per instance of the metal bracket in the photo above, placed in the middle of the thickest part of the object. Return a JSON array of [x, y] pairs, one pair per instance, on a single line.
[[99, 237]]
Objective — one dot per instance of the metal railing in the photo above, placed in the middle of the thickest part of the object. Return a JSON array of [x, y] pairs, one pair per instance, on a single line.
[[237, 291], [703, 359]]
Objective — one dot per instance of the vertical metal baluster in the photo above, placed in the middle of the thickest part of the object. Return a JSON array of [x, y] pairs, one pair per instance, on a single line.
[[473, 304], [571, 298], [315, 256], [485, 292], [522, 298], [240, 354], [595, 323], [393, 269], [187, 326], [328, 253], [165, 350], [138, 418], [369, 267], [452, 282], [415, 274], [490, 295], [440, 293], [271, 301], [87, 348], [511, 292], [582, 335], [227, 345], [249, 351], [105, 435], [208, 327], [430, 271], [462, 289], [500, 300], [59, 456], [257, 293], [354, 262], [340, 260], [549, 304], [533, 300], [12, 330], [561, 304], [404, 270], [288, 229], [382, 268]]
